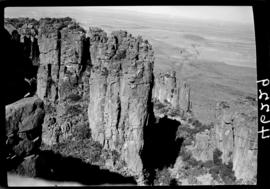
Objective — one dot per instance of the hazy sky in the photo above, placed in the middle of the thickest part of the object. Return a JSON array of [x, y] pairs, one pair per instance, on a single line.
[[243, 14], [224, 13]]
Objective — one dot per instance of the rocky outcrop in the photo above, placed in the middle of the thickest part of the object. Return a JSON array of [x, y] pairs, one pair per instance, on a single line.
[[63, 76], [120, 93], [203, 147], [110, 76], [236, 137], [61, 60], [167, 89], [24, 120]]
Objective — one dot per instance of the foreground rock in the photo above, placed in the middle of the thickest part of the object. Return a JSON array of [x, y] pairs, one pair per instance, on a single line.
[[24, 120], [120, 93]]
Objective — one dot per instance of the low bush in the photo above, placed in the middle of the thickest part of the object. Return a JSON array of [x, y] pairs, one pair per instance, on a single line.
[[73, 110], [74, 97], [49, 108], [163, 177], [221, 170], [81, 131], [86, 149], [175, 112]]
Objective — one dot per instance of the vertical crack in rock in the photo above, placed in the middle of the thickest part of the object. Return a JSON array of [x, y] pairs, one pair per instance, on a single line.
[[58, 64]]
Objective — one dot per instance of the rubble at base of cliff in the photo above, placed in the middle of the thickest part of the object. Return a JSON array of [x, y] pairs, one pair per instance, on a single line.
[[94, 101]]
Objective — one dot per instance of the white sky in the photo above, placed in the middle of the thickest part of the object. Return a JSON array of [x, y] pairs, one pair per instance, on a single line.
[[240, 14]]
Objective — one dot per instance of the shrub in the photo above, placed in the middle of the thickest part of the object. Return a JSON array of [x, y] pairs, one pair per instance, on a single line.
[[74, 97], [86, 149], [221, 170], [73, 110], [217, 157], [227, 173], [49, 108], [163, 177], [67, 87], [158, 105], [81, 131], [174, 112]]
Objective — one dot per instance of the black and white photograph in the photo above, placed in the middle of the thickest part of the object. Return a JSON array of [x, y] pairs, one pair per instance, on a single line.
[[131, 96]]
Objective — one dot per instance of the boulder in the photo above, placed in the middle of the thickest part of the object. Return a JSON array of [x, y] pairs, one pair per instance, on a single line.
[[24, 120]]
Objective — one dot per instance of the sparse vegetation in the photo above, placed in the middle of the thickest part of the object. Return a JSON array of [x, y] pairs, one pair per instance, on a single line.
[[87, 150], [74, 97], [163, 178], [188, 133], [81, 131], [49, 108], [73, 110]]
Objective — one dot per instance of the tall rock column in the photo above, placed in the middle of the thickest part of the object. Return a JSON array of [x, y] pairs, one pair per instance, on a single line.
[[48, 41], [120, 93], [167, 89], [236, 136], [63, 77]]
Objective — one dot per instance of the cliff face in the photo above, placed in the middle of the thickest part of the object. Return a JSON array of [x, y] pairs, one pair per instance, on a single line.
[[168, 90], [236, 137], [104, 81], [120, 93]]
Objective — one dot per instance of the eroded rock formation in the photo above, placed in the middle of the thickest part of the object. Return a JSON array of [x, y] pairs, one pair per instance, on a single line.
[[120, 92], [167, 89], [236, 137], [62, 59], [110, 76], [106, 83]]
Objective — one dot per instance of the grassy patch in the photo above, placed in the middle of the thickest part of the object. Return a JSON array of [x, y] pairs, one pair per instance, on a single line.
[[87, 150]]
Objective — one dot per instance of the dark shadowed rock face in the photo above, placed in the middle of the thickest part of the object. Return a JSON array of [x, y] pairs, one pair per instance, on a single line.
[[26, 35], [24, 120], [120, 92]]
